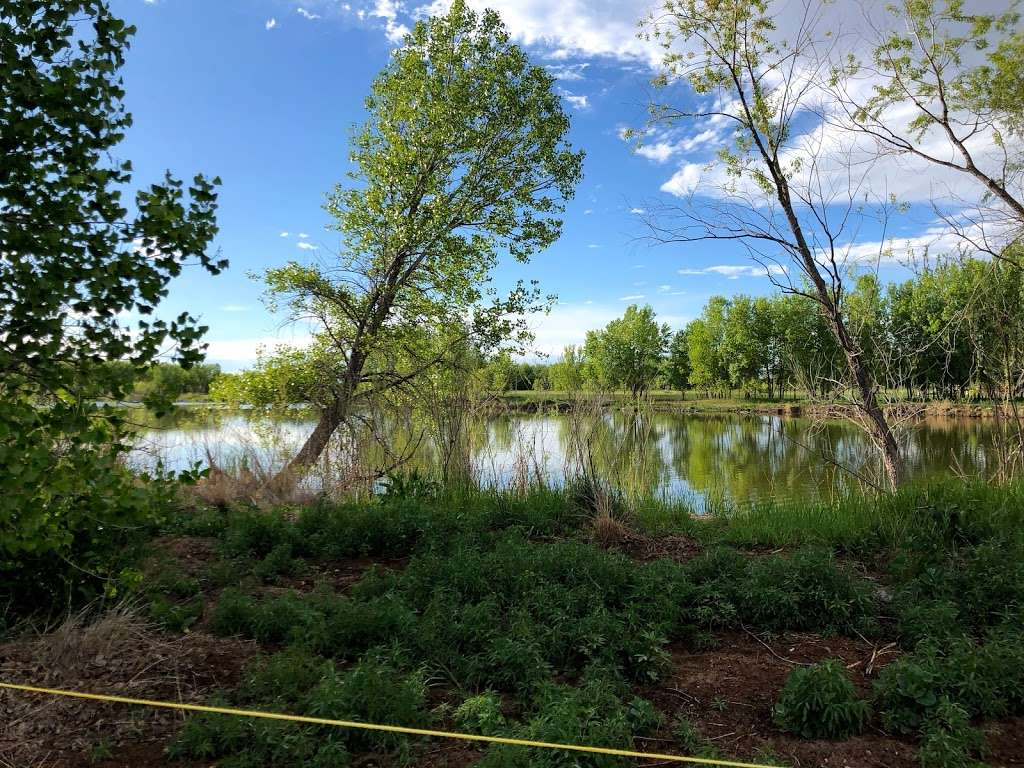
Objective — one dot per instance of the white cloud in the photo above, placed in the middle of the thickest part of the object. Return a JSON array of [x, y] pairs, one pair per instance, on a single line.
[[571, 28], [568, 324], [593, 245], [238, 353], [284, 234], [307, 14], [303, 236], [306, 246], [577, 101], [684, 181], [638, 211], [588, 211], [664, 288], [388, 11], [736, 271], [572, 72], [632, 297], [659, 152], [271, 23]]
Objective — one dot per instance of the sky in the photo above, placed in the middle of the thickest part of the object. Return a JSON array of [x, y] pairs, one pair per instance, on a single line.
[[264, 93]]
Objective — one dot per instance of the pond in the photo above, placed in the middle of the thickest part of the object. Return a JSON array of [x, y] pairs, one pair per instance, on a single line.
[[700, 459]]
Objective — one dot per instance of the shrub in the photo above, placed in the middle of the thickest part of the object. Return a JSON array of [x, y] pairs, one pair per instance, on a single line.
[[820, 702], [948, 740], [233, 614], [986, 680], [481, 714], [278, 562], [806, 592], [599, 712], [373, 691]]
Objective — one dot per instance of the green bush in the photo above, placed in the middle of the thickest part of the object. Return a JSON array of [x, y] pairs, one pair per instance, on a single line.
[[481, 714], [820, 702], [948, 740], [598, 712], [373, 691], [986, 679], [294, 681]]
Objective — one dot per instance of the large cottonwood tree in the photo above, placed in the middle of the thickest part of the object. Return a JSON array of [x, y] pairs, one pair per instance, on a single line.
[[463, 156]]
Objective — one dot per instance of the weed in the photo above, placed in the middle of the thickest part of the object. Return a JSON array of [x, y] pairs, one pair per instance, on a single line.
[[948, 740], [820, 702], [481, 714], [986, 679], [599, 712], [691, 742]]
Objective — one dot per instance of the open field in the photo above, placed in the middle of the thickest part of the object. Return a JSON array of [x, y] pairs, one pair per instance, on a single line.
[[553, 616]]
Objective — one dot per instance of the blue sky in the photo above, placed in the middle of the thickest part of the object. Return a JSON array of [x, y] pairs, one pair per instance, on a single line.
[[263, 93]]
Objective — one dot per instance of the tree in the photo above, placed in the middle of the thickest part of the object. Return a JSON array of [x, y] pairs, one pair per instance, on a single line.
[[677, 365], [629, 351], [566, 374], [463, 155], [965, 110], [772, 194], [705, 337], [73, 263]]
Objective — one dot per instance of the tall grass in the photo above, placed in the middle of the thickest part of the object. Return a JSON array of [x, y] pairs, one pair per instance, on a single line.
[[859, 522]]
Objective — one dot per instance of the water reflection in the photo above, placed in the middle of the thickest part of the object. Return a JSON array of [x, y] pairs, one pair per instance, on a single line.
[[693, 457]]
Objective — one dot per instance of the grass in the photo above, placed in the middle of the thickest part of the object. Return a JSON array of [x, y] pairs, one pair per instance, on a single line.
[[512, 614]]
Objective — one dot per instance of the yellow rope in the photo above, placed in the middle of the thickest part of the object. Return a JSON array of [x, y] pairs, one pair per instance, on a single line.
[[377, 727]]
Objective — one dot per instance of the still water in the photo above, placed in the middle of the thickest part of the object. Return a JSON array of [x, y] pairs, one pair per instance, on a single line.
[[700, 459]]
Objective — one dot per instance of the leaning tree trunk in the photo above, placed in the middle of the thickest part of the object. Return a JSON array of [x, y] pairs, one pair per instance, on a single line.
[[861, 377], [331, 417]]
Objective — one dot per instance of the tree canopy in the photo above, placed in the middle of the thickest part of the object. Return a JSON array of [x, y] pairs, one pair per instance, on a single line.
[[78, 264], [463, 157]]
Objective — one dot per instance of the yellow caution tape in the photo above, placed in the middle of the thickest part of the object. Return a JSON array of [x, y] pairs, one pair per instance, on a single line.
[[378, 727]]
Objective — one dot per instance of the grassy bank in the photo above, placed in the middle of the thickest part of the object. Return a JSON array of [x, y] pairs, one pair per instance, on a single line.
[[699, 402], [871, 632]]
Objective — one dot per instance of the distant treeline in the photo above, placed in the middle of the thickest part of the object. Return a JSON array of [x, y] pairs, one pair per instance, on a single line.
[[955, 330], [164, 381]]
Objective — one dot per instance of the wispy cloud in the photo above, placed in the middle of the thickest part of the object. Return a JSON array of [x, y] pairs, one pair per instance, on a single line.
[[736, 271], [305, 246], [638, 211], [579, 101], [307, 14], [284, 234], [388, 11], [271, 23], [632, 297]]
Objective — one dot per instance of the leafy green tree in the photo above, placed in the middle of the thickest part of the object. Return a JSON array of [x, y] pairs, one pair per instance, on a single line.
[[463, 155], [705, 338], [677, 364], [567, 374], [74, 262], [629, 351]]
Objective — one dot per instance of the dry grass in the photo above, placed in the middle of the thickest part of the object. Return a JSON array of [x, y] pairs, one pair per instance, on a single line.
[[609, 532], [116, 652]]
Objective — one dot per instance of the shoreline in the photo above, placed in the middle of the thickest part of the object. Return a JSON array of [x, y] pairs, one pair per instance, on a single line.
[[526, 402]]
